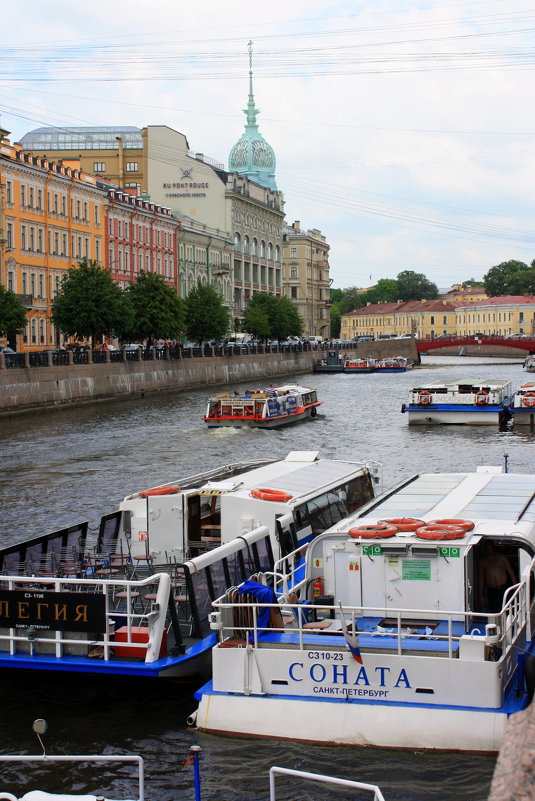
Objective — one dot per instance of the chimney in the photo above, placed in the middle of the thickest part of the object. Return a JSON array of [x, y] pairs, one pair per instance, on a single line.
[[297, 226]]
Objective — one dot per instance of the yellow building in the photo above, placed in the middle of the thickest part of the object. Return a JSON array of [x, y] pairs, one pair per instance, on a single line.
[[465, 294], [504, 315], [52, 216], [306, 280], [424, 318]]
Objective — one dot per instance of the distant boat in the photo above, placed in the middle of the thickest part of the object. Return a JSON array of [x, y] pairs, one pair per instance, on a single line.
[[393, 364], [359, 365], [523, 405], [273, 407], [331, 362], [478, 402], [529, 364]]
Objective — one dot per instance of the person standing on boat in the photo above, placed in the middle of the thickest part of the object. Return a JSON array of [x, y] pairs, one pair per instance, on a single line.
[[495, 576]]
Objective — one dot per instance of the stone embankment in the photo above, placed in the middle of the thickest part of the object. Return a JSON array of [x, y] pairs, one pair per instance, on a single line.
[[24, 389], [514, 775]]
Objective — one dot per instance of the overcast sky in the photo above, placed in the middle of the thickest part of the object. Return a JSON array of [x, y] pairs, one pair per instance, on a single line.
[[404, 131]]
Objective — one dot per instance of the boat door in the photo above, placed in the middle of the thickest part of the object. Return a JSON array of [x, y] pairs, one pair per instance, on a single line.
[[470, 578], [286, 535]]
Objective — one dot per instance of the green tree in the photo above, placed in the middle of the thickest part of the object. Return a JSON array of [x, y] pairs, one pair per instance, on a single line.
[[155, 309], [12, 313], [385, 291], [291, 324], [522, 282], [502, 278], [256, 322], [336, 322], [89, 303], [206, 316], [415, 286], [281, 314], [471, 282], [336, 295], [352, 299]]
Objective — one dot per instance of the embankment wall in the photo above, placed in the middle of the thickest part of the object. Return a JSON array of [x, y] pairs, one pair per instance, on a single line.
[[31, 388]]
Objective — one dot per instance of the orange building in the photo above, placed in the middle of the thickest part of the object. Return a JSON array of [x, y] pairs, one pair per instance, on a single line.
[[51, 216]]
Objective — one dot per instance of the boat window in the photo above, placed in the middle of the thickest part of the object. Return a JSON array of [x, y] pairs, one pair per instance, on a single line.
[[325, 511], [236, 569], [219, 581], [358, 492], [194, 518], [263, 554], [108, 532], [201, 602]]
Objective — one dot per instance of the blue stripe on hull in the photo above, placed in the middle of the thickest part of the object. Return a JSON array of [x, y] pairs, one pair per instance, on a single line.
[[452, 407]]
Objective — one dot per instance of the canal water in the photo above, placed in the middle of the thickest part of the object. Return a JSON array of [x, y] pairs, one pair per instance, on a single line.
[[77, 464]]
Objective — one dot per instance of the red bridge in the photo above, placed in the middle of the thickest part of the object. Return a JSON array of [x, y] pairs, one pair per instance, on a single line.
[[526, 344]]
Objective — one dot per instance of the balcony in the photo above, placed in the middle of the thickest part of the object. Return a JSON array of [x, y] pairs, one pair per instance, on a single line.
[[26, 300]]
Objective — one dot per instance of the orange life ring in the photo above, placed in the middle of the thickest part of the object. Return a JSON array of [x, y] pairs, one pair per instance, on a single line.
[[529, 399], [467, 525], [159, 491], [482, 397], [379, 531], [424, 397], [434, 532], [271, 495], [404, 523]]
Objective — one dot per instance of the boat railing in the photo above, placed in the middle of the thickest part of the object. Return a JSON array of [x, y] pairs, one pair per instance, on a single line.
[[44, 759], [400, 630], [320, 779], [289, 571], [56, 615]]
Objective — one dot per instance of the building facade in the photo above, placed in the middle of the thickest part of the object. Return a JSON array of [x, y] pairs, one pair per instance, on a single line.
[[53, 216], [425, 318], [306, 279], [504, 315]]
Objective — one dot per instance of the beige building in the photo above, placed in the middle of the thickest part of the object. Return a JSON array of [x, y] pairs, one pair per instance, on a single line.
[[306, 279], [504, 315], [425, 318]]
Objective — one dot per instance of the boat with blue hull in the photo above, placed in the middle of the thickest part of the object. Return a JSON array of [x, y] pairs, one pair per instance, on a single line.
[[422, 636], [134, 597], [477, 402], [522, 408]]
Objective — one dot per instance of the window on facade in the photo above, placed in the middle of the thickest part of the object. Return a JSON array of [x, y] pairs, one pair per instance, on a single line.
[[39, 240], [10, 236], [23, 242], [32, 197], [85, 211], [64, 206], [277, 253], [97, 215], [293, 253], [237, 243], [132, 166], [11, 281], [432, 321], [97, 250], [246, 244], [56, 242], [254, 247], [42, 331], [78, 209], [262, 249], [293, 271], [293, 290], [9, 191], [22, 195], [32, 284], [24, 283], [41, 287], [445, 320], [99, 166], [64, 245]]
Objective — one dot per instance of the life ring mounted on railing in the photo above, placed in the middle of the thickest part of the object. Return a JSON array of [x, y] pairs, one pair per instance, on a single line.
[[265, 494], [379, 531], [403, 523], [440, 531], [482, 397], [170, 490], [424, 397], [528, 400]]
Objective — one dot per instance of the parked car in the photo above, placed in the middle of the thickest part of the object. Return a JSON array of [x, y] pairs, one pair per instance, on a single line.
[[363, 339], [517, 336]]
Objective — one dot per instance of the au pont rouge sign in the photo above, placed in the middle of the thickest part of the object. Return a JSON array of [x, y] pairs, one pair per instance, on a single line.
[[58, 611]]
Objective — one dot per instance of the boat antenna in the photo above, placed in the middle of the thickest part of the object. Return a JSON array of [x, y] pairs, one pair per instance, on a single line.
[[40, 726]]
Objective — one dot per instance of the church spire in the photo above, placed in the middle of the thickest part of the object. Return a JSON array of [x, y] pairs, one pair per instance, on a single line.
[[251, 111], [252, 155]]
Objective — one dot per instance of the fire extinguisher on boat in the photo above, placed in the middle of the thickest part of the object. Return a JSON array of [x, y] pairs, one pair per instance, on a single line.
[[317, 587]]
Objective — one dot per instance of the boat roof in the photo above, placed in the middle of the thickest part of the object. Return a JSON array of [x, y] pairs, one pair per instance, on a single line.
[[300, 473], [496, 383], [500, 504]]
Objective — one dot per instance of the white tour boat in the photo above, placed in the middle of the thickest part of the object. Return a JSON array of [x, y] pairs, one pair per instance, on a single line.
[[393, 364], [523, 406], [529, 364], [410, 642], [134, 598], [269, 408], [479, 402]]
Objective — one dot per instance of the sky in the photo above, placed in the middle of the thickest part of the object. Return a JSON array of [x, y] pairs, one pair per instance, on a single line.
[[403, 130]]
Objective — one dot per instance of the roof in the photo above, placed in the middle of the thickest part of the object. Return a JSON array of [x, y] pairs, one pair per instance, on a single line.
[[103, 137], [504, 300], [403, 307]]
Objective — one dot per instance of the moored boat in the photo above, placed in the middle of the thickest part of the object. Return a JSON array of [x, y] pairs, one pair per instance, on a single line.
[[134, 597], [331, 362], [475, 402], [529, 364], [268, 408], [393, 364], [422, 636], [523, 405], [359, 365]]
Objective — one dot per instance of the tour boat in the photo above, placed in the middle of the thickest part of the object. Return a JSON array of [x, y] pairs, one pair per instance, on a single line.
[[479, 402], [358, 365], [269, 408], [529, 364], [331, 362], [523, 406], [393, 364], [134, 597], [390, 629]]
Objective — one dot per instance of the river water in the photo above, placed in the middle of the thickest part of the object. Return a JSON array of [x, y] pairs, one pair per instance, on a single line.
[[77, 464]]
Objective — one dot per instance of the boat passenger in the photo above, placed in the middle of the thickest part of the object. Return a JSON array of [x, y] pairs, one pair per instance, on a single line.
[[495, 576]]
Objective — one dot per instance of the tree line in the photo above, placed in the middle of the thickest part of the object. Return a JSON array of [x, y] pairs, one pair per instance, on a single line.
[[90, 304]]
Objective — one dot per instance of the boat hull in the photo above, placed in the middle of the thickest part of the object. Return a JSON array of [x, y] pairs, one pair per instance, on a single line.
[[346, 722], [455, 415], [523, 417], [267, 423]]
